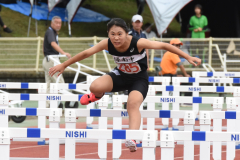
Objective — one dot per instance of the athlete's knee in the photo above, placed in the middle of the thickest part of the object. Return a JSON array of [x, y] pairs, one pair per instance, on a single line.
[[96, 87], [133, 105]]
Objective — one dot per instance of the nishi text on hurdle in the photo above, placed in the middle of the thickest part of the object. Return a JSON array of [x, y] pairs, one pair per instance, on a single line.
[[76, 134], [167, 99], [54, 98]]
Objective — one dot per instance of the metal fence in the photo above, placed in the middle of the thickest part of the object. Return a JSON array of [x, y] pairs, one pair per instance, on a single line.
[[26, 54]]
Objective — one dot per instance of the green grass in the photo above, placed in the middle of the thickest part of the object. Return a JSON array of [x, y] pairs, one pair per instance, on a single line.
[[124, 9]]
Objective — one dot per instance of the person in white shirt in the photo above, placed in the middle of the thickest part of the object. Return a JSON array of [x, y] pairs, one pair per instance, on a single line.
[[148, 31]]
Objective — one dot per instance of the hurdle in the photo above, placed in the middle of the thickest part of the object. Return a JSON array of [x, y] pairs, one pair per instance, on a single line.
[[197, 81], [41, 87], [151, 100], [148, 138], [163, 113], [53, 142], [198, 74], [205, 137], [189, 121], [177, 89]]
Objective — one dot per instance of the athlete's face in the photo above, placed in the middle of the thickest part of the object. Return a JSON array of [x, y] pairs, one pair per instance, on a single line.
[[56, 24], [117, 36], [137, 25], [197, 10]]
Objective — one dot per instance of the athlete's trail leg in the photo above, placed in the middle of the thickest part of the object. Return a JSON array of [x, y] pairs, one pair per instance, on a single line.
[[135, 99], [101, 85]]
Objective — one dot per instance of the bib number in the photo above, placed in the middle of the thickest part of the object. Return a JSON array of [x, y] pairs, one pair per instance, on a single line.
[[129, 68]]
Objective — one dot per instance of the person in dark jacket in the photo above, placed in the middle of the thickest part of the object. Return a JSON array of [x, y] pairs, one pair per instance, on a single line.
[[5, 28]]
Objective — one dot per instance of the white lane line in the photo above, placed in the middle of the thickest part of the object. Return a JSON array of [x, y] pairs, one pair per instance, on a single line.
[[27, 147], [85, 154], [199, 154]]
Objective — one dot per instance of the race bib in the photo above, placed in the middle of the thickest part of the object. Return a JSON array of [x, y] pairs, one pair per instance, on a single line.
[[129, 68]]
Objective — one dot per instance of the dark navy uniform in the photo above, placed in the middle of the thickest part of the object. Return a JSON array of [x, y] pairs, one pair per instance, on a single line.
[[131, 71], [136, 34]]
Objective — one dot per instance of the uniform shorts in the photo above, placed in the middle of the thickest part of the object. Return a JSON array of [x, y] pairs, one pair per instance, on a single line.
[[122, 83]]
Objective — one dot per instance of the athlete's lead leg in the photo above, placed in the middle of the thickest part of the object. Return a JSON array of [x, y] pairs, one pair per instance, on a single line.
[[101, 85], [98, 88]]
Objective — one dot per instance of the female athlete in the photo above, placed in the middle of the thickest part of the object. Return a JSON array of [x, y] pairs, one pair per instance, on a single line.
[[131, 72]]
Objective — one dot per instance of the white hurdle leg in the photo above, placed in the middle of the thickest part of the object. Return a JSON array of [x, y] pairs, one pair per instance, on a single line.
[[205, 122], [141, 125], [189, 121], [42, 104], [231, 127], [70, 144], [54, 123], [4, 134], [167, 145], [89, 120], [165, 106], [175, 106], [217, 127], [151, 107], [102, 124], [237, 94], [117, 124], [195, 106], [149, 145]]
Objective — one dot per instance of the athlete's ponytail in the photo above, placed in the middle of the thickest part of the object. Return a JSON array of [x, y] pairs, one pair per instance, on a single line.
[[117, 22]]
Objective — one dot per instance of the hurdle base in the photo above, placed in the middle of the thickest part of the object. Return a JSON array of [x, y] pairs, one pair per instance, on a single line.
[[16, 158], [41, 142], [88, 127], [139, 144], [175, 129], [166, 129], [237, 146]]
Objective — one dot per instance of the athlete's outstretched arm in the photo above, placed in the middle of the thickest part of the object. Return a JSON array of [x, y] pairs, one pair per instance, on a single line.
[[80, 56], [145, 43]]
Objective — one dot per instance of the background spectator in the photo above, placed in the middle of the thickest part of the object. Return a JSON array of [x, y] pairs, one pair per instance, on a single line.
[[148, 31], [51, 47], [137, 23], [5, 28], [198, 23], [169, 64]]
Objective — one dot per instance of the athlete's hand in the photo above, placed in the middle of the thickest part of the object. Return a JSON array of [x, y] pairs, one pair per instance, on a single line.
[[194, 60], [58, 68], [68, 55], [196, 30], [200, 29]]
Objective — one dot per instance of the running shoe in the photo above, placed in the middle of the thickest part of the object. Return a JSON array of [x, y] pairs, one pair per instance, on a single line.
[[88, 98], [8, 30], [131, 144]]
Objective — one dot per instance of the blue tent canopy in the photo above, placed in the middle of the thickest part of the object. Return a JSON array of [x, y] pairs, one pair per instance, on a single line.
[[41, 12]]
